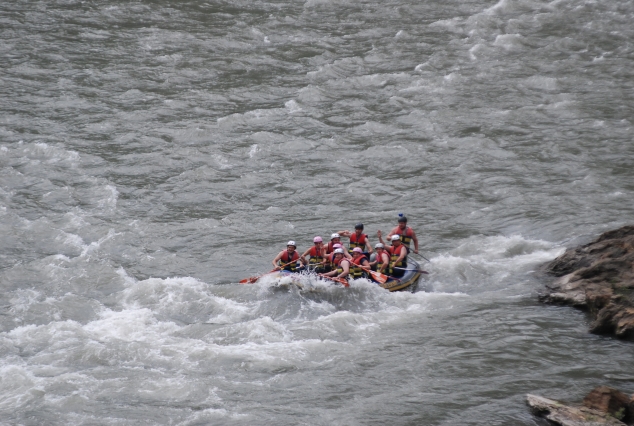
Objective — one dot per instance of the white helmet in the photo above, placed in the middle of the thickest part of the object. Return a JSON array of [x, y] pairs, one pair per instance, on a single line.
[[335, 235], [338, 251], [395, 237], [291, 243], [379, 245]]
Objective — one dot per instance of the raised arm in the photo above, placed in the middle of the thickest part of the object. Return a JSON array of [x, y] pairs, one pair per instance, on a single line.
[[392, 232], [380, 235]]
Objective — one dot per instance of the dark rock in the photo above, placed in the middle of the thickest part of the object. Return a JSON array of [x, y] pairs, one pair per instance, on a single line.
[[611, 401], [598, 277]]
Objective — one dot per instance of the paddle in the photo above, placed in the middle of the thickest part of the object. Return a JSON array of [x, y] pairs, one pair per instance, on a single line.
[[251, 280], [336, 279], [418, 254], [379, 277], [406, 269]]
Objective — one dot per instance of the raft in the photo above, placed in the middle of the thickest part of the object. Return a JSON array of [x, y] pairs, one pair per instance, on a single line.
[[409, 281]]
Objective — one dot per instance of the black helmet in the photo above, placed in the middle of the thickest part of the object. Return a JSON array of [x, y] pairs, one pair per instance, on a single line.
[[402, 219], [358, 226]]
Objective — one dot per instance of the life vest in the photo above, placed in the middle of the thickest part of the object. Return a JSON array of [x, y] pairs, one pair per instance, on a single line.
[[315, 257], [395, 253], [340, 268], [330, 248], [355, 267], [406, 236], [357, 242], [285, 259], [379, 260]]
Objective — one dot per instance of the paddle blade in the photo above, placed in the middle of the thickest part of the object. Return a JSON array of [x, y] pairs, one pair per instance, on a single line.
[[249, 280], [379, 277], [341, 281]]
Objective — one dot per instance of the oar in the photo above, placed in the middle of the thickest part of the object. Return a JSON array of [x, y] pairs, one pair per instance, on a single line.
[[406, 269], [418, 254], [336, 279], [251, 280], [379, 277]]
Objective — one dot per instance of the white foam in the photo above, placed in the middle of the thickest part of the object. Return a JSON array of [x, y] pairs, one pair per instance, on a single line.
[[292, 106], [138, 325], [182, 296], [508, 41], [95, 245], [19, 387]]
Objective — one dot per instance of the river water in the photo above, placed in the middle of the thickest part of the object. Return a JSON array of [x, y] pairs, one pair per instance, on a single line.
[[153, 153]]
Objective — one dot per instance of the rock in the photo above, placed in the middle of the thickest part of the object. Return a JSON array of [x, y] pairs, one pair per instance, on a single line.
[[611, 401], [564, 415], [598, 277]]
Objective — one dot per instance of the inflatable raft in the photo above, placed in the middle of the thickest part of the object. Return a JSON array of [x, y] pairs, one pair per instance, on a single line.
[[409, 281]]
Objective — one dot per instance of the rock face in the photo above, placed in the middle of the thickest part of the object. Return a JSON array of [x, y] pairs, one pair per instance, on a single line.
[[598, 277], [564, 415], [611, 401]]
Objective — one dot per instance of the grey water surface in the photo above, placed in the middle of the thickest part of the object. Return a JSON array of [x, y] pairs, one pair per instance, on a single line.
[[154, 153]]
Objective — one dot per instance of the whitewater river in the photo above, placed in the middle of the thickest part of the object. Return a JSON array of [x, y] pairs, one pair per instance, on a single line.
[[153, 153]]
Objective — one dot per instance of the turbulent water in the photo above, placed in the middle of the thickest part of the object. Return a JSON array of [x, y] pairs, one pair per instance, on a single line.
[[154, 153]]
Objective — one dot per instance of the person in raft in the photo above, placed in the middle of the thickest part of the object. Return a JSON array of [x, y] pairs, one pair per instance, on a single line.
[[357, 264], [341, 265], [357, 239], [405, 233], [330, 258], [334, 239], [317, 253], [398, 257], [382, 260], [287, 259]]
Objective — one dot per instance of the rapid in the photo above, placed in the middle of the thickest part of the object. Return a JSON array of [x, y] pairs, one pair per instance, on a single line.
[[154, 153]]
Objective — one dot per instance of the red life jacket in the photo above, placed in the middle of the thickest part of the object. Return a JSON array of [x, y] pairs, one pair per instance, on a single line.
[[379, 259], [406, 236], [395, 252], [357, 242], [338, 265], [315, 256], [355, 269], [285, 259]]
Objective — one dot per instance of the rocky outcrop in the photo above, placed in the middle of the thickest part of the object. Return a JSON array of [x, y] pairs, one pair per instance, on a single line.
[[564, 415], [598, 277], [602, 406], [611, 401]]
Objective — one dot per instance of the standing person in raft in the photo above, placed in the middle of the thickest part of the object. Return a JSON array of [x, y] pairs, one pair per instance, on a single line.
[[317, 253], [405, 233], [357, 239], [287, 259]]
